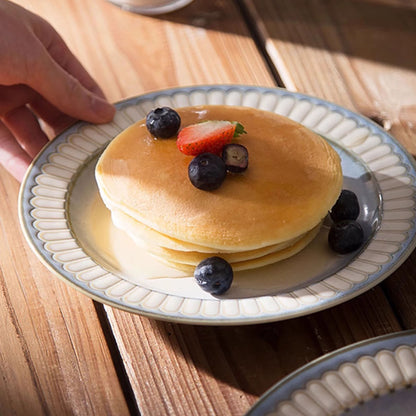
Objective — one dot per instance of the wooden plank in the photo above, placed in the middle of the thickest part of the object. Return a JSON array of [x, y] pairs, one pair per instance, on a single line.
[[360, 52], [355, 53], [53, 354], [401, 291], [347, 52], [130, 54], [54, 357], [223, 370]]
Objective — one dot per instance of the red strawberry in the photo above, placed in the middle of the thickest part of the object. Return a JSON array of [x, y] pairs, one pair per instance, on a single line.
[[208, 136]]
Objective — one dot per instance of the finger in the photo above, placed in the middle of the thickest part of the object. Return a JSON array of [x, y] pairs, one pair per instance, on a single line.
[[12, 157], [66, 93], [60, 52], [64, 57], [26, 129], [53, 117], [15, 96]]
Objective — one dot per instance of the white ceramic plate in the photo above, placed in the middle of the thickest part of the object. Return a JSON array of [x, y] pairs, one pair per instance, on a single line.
[[67, 225], [374, 377]]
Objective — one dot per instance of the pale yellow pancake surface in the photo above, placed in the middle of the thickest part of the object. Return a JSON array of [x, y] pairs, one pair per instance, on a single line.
[[294, 177]]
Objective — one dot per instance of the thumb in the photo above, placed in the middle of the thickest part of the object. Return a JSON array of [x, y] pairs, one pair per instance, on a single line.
[[67, 93]]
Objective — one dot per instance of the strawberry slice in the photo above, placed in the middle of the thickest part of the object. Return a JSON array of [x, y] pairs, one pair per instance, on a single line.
[[209, 136]]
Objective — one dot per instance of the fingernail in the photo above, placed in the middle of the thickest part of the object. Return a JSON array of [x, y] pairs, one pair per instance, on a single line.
[[102, 109]]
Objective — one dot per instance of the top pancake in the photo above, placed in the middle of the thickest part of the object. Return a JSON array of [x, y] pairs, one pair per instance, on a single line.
[[294, 177]]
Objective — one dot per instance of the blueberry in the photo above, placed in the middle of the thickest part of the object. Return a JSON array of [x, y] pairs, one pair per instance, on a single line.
[[346, 207], [345, 236], [207, 171], [235, 157], [163, 122], [214, 275]]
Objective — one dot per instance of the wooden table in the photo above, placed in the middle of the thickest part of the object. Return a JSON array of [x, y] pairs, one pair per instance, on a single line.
[[62, 353]]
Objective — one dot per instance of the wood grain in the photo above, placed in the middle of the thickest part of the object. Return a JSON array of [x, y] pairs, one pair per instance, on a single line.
[[178, 369], [355, 53], [223, 370], [53, 354], [206, 42], [128, 55]]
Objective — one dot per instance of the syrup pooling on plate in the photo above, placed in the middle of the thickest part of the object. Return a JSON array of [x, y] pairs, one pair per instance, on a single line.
[[278, 200], [117, 252]]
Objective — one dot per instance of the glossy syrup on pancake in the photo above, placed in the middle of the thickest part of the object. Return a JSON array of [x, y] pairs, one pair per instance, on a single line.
[[293, 179]]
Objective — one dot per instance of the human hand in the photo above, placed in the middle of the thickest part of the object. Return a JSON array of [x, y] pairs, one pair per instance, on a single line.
[[40, 79]]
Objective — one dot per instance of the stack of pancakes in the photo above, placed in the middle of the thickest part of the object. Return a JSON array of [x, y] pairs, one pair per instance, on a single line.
[[265, 214]]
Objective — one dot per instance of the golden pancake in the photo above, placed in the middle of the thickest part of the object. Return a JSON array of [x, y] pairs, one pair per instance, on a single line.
[[195, 257], [294, 177], [145, 237], [255, 263]]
